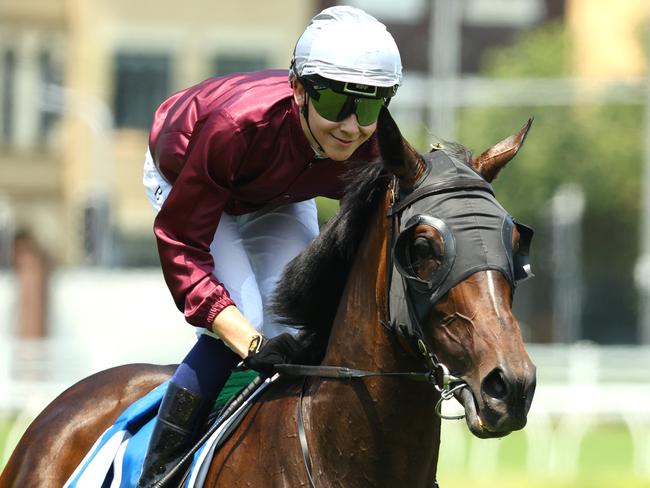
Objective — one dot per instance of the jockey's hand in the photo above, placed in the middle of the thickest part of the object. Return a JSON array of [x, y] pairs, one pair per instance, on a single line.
[[281, 349]]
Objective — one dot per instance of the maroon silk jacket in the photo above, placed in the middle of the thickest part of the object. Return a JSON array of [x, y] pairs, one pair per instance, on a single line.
[[230, 144]]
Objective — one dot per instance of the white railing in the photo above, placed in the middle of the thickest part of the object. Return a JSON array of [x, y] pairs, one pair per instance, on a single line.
[[97, 319], [103, 319], [579, 388]]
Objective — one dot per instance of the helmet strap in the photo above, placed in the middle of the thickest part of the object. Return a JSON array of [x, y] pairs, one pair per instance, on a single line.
[[305, 113]]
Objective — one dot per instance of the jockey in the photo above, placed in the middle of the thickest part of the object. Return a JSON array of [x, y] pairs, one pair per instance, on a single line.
[[233, 166]]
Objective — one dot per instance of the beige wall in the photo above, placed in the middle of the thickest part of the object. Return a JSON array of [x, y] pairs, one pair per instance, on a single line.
[[608, 37], [87, 159], [32, 12], [193, 33], [30, 170]]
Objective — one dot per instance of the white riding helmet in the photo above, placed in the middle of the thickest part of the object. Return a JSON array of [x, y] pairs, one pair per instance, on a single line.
[[347, 44]]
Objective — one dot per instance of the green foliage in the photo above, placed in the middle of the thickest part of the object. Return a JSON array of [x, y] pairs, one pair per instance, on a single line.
[[596, 147], [544, 52], [599, 147]]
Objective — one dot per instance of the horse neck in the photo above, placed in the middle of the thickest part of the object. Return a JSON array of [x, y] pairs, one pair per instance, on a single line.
[[357, 331], [392, 419], [358, 339]]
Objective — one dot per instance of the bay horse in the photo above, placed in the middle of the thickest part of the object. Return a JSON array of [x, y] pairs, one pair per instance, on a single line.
[[377, 294]]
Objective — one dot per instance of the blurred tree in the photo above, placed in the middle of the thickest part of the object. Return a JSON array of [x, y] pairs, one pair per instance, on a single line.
[[598, 147]]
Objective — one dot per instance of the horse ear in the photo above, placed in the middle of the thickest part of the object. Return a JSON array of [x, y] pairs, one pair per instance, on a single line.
[[398, 155], [495, 158]]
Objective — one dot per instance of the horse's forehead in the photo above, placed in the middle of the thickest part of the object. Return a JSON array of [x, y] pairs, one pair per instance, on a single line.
[[473, 214], [474, 220]]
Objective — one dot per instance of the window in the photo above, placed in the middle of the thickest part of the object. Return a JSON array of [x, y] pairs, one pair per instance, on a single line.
[[504, 13], [28, 67], [228, 63], [142, 81], [51, 76], [406, 11], [7, 78]]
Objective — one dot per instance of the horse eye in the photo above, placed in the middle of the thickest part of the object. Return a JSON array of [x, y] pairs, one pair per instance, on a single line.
[[422, 249], [425, 257]]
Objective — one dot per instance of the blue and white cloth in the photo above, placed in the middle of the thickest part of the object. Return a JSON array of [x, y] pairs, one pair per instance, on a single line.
[[115, 460]]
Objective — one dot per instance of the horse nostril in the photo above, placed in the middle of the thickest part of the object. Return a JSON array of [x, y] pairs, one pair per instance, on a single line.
[[495, 385]]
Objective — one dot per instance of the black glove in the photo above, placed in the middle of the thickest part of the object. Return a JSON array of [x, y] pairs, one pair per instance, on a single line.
[[281, 349]]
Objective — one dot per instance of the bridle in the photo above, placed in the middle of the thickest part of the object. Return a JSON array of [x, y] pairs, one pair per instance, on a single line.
[[405, 306], [408, 299], [468, 245], [437, 373]]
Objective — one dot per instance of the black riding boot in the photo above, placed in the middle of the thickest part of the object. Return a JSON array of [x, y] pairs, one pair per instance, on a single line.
[[180, 415]]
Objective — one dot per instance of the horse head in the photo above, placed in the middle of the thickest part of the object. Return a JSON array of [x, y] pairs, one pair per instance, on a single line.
[[457, 256]]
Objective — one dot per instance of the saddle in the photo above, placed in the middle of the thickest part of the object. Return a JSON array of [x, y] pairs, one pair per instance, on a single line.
[[116, 458]]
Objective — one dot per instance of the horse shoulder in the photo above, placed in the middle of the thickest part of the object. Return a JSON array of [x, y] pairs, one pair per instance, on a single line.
[[264, 450], [58, 439]]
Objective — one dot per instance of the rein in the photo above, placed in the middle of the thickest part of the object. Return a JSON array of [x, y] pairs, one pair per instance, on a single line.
[[450, 384], [447, 386], [344, 373]]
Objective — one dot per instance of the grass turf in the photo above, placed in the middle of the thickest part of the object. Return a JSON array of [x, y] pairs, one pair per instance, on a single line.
[[605, 460]]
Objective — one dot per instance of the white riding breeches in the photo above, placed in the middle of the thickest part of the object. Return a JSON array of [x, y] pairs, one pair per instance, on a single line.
[[250, 251]]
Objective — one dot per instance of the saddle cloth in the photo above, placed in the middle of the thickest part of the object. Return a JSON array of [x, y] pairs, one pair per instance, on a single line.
[[115, 460]]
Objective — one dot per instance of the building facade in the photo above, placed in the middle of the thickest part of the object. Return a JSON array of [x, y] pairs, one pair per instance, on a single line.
[[79, 81]]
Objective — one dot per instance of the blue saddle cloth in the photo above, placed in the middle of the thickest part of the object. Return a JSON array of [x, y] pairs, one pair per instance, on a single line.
[[115, 460]]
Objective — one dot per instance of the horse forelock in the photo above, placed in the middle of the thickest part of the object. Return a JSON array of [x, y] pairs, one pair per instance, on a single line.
[[311, 286]]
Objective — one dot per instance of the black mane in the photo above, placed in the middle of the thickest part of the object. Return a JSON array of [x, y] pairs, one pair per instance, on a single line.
[[310, 289]]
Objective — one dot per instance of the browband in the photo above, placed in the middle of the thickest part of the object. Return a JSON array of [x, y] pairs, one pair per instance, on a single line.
[[444, 186]]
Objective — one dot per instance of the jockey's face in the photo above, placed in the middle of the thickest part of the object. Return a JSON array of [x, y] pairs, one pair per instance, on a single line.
[[338, 139]]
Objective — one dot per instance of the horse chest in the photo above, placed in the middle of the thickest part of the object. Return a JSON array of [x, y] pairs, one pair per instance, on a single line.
[[372, 433]]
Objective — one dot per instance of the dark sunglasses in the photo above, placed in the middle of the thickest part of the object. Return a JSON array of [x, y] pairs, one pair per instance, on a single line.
[[336, 101]]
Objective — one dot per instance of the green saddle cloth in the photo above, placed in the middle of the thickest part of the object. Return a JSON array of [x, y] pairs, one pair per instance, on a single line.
[[237, 381]]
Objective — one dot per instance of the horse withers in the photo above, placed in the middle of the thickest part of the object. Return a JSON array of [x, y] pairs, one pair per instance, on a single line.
[[426, 290]]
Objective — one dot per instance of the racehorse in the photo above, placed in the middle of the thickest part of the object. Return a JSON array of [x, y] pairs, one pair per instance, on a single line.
[[407, 278]]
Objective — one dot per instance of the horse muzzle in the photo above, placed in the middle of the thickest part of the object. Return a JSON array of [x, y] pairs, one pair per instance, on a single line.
[[500, 403]]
